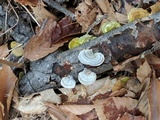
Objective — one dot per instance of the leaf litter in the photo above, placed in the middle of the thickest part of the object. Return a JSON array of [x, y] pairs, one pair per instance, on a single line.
[[108, 98]]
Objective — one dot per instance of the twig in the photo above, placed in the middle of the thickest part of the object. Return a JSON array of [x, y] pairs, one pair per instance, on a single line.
[[60, 8], [98, 20], [16, 20], [31, 15], [14, 64], [6, 17]]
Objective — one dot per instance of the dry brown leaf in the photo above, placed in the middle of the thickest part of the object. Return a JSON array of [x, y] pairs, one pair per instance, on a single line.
[[121, 18], [154, 61], [91, 115], [28, 2], [70, 115], [8, 80], [48, 40], [41, 14], [118, 85], [1, 111], [154, 98], [88, 2], [155, 8], [130, 94], [40, 45], [133, 85], [34, 103], [76, 94], [117, 93], [53, 117], [126, 65], [77, 109], [128, 116], [50, 96], [114, 105], [127, 7], [61, 114], [101, 87], [3, 51], [107, 86], [105, 6], [143, 71], [38, 9], [122, 102], [98, 84], [85, 15], [143, 105]]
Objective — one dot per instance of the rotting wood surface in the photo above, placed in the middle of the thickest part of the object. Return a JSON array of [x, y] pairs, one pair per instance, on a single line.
[[118, 45]]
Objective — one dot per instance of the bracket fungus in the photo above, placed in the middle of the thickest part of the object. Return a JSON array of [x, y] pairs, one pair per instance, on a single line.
[[108, 26], [87, 77], [68, 82], [87, 57], [137, 13]]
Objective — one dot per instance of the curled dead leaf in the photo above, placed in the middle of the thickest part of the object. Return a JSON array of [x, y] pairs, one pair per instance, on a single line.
[[155, 8], [127, 116], [41, 13], [77, 109], [154, 98], [117, 105], [104, 5], [3, 51], [88, 2], [85, 15], [28, 2], [143, 71], [1, 111], [61, 114], [34, 104], [8, 80], [41, 44]]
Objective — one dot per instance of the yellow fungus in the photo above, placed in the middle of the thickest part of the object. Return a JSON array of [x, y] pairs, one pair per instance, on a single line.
[[79, 41], [108, 26], [85, 38], [124, 79], [16, 48], [73, 43], [137, 13]]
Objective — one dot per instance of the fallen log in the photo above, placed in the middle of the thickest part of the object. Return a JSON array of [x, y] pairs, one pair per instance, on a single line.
[[116, 46]]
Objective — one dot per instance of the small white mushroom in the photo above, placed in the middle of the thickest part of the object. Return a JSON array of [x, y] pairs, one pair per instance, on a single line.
[[68, 82], [87, 77], [87, 57]]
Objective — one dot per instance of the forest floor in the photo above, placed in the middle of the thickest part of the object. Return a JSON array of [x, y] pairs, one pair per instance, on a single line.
[[79, 60]]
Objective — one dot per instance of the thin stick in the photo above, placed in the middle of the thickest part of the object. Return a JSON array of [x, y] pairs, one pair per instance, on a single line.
[[96, 22], [14, 64], [60, 8], [31, 15], [16, 20]]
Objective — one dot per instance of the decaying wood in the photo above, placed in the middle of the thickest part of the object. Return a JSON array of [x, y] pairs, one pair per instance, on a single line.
[[118, 45]]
